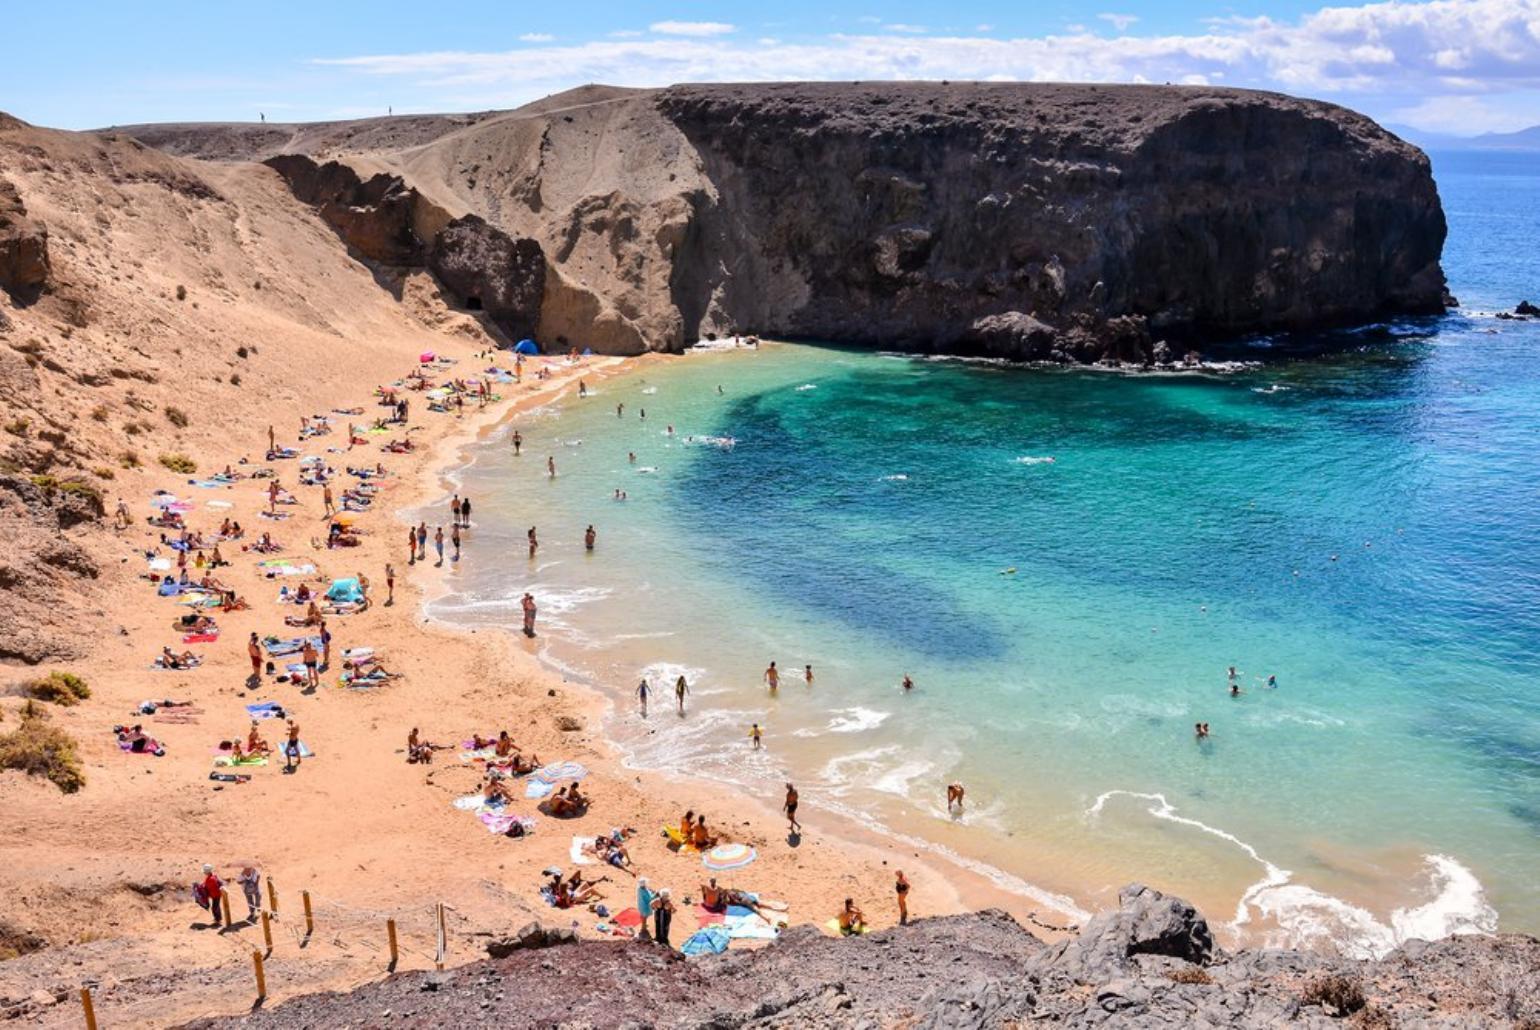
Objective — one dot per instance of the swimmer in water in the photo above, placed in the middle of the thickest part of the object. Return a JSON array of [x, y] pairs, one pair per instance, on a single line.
[[582, 388], [644, 413], [534, 542], [1200, 730], [671, 429], [1272, 681], [1232, 673], [807, 674], [1235, 690], [589, 536], [773, 678], [631, 457], [908, 683], [620, 409], [719, 389], [550, 466], [518, 442]]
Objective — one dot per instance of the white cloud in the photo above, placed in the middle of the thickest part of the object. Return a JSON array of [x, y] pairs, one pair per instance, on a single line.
[[912, 30], [869, 19], [692, 28], [1463, 116], [1121, 22], [536, 37], [1388, 56], [983, 28]]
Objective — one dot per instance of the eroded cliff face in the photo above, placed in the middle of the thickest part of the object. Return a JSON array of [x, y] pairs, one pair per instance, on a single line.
[[1073, 223]]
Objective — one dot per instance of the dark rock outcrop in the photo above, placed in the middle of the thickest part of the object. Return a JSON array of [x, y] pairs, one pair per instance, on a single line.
[[374, 216], [973, 971], [24, 265], [489, 270], [1527, 309]]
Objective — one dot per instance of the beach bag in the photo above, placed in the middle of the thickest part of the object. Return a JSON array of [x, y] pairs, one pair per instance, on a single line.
[[200, 895]]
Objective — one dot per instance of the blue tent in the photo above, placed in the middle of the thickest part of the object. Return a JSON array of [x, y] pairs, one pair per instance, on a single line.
[[527, 347], [345, 590]]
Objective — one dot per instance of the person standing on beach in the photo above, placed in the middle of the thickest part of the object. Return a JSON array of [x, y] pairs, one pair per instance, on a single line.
[[326, 499], [422, 541], [309, 657], [411, 546], [528, 602], [662, 916], [291, 748], [254, 651], [326, 646], [680, 690], [773, 678], [272, 442], [454, 538], [390, 584], [438, 544], [251, 886], [642, 692], [465, 512], [589, 536], [213, 890], [534, 543], [755, 734], [901, 888], [518, 442], [454, 509], [790, 808]]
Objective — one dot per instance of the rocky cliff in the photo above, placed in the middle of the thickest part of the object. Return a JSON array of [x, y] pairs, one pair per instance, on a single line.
[[1150, 963], [1031, 220]]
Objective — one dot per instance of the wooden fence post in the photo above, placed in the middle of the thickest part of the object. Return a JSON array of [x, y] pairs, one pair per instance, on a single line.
[[90, 1010], [390, 931], [267, 933], [229, 902], [442, 943], [256, 961], [309, 921], [272, 898]]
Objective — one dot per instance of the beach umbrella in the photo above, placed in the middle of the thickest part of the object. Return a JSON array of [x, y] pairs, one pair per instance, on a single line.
[[527, 347], [710, 940], [728, 856]]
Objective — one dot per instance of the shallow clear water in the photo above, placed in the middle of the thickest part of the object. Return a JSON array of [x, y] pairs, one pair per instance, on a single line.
[[1362, 527]]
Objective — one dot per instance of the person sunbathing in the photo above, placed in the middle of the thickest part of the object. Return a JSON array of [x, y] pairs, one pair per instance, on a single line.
[[171, 660], [418, 751], [613, 852], [255, 745], [496, 791], [700, 838], [196, 624], [312, 615], [521, 766], [216, 559], [265, 544], [851, 919], [505, 745], [231, 603], [687, 827], [568, 802]]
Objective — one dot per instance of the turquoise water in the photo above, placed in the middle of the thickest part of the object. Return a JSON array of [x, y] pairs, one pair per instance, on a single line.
[[1066, 563]]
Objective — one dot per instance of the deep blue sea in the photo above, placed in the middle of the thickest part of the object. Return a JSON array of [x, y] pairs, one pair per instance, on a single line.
[[1067, 563]]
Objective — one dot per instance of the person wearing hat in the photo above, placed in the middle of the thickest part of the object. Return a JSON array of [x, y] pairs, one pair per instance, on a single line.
[[644, 902], [213, 889]]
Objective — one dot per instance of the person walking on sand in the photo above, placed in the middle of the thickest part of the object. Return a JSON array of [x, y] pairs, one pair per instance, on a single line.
[[518, 442], [641, 692], [454, 509], [790, 808], [901, 888], [756, 734], [589, 536], [954, 796], [534, 542], [251, 886], [550, 466], [773, 678], [291, 749], [213, 892], [438, 544], [454, 538], [254, 652], [326, 646], [272, 442], [528, 601], [411, 546], [390, 584], [422, 541], [680, 690], [326, 499]]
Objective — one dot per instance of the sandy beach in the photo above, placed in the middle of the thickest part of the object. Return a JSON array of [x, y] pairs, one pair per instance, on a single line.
[[370, 836]]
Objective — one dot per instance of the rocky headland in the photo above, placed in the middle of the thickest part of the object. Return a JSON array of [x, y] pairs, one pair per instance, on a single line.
[[1149, 963], [1038, 221]]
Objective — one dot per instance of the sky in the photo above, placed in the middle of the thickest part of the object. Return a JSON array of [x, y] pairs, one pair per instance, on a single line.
[[1440, 66]]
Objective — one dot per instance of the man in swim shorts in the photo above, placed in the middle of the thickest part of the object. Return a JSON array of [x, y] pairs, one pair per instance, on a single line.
[[790, 808]]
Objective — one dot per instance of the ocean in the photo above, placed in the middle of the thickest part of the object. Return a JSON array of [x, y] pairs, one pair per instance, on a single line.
[[1067, 562]]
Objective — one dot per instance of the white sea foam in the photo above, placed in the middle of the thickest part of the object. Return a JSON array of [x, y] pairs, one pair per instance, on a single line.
[[1272, 388], [807, 386], [848, 720], [1305, 916], [897, 477], [647, 468], [1029, 459], [649, 390]]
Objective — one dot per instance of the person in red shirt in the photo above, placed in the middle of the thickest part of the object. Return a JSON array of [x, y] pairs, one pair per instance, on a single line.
[[213, 888]]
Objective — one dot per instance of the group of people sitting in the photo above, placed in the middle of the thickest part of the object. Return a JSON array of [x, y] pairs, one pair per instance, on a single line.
[[692, 829], [569, 801]]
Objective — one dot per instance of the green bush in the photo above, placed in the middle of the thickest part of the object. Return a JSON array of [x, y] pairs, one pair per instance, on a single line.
[[179, 463], [38, 749]]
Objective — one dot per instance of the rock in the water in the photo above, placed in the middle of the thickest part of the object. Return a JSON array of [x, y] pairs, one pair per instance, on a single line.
[[1526, 308]]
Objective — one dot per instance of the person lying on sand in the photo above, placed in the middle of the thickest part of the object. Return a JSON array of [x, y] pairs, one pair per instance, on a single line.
[[721, 898], [615, 853], [521, 766], [171, 660]]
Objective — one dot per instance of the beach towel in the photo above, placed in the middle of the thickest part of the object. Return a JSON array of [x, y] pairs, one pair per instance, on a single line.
[[576, 851], [265, 710], [705, 917], [469, 803], [220, 505], [753, 928], [160, 564], [225, 761], [200, 638], [628, 918], [537, 789], [208, 484], [168, 587], [294, 645], [559, 771], [710, 940], [500, 823]]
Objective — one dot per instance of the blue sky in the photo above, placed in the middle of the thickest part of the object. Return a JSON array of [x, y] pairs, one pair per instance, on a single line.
[[1461, 66]]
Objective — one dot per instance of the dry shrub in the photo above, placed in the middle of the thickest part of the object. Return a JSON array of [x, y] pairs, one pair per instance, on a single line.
[[1190, 975], [1335, 992], [1372, 1017], [60, 688], [177, 417], [129, 459], [179, 463], [38, 749], [569, 723]]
